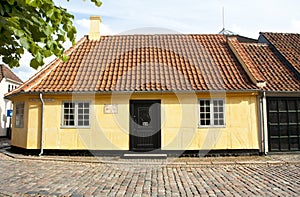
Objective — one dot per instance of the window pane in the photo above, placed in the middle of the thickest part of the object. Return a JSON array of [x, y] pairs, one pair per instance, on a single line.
[[293, 117], [274, 144], [218, 112], [282, 105], [293, 130], [284, 130], [222, 122], [284, 144], [19, 121], [204, 112], [83, 114], [273, 105], [216, 122], [283, 117], [69, 115], [292, 105], [273, 117], [274, 130], [294, 143]]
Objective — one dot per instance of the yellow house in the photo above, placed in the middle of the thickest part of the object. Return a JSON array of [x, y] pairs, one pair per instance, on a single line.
[[170, 93]]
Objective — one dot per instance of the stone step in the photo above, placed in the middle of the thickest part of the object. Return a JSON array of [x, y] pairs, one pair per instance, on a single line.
[[144, 156]]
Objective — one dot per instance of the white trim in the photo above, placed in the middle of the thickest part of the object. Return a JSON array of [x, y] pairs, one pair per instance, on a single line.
[[211, 106], [75, 115], [13, 81]]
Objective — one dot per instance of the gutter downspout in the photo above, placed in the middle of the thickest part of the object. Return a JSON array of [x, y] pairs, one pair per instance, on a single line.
[[260, 123], [42, 125], [265, 123]]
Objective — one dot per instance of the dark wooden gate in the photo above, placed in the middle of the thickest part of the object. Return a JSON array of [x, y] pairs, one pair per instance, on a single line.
[[284, 124]]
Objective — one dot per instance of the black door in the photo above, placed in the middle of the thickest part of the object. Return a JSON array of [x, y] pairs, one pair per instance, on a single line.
[[284, 124], [145, 125]]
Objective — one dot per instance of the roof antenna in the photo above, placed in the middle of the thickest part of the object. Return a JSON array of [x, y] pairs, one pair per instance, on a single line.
[[224, 31]]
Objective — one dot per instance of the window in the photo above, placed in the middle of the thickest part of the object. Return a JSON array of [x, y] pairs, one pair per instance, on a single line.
[[19, 121], [211, 112], [76, 114], [8, 88]]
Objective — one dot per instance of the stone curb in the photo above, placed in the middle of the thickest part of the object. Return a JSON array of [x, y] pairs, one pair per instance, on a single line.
[[150, 163]]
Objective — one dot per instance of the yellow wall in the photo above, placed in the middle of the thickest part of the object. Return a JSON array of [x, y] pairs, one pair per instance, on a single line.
[[179, 121]]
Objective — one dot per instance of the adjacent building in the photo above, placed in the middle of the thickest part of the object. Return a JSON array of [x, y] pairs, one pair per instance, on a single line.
[[8, 82]]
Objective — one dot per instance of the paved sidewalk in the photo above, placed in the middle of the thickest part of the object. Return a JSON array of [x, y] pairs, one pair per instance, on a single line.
[[275, 175]]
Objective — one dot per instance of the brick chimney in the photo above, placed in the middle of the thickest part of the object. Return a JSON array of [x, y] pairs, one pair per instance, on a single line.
[[95, 27]]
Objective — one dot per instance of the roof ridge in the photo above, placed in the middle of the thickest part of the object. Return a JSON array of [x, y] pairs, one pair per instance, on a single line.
[[254, 44], [158, 34], [247, 63], [35, 79]]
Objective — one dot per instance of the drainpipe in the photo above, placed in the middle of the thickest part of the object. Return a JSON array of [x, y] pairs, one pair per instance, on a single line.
[[264, 123], [260, 122], [42, 125]]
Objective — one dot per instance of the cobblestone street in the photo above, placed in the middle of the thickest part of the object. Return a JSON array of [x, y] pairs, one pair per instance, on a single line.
[[181, 177]]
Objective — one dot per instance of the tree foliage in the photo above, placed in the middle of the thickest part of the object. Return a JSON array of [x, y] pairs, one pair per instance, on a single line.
[[38, 26]]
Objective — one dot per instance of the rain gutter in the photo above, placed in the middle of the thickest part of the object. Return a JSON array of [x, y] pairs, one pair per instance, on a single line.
[[42, 125]]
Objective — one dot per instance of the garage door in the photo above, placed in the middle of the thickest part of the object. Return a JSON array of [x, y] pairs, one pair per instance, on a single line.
[[284, 124]]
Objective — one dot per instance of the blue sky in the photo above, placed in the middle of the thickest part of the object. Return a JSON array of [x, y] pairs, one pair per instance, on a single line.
[[246, 18]]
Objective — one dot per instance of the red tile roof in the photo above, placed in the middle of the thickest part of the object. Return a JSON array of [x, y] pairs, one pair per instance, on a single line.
[[288, 45], [5, 72], [263, 60], [144, 63], [245, 58]]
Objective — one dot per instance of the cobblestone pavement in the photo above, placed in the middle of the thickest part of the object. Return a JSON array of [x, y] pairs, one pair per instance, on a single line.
[[236, 176]]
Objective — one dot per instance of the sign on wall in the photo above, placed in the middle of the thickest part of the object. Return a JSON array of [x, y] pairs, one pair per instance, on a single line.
[[110, 108], [9, 113]]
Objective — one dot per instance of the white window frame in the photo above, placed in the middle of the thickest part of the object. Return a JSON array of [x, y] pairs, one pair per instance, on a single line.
[[212, 113], [19, 118], [76, 114]]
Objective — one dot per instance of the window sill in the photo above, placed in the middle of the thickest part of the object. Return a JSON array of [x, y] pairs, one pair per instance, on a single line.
[[211, 126], [75, 127]]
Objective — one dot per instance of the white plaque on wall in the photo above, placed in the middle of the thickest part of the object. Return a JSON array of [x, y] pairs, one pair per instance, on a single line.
[[110, 108]]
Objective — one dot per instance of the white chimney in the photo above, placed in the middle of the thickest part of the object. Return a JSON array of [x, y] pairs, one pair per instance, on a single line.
[[95, 27]]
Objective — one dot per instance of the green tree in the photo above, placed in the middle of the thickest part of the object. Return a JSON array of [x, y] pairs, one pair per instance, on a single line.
[[38, 26]]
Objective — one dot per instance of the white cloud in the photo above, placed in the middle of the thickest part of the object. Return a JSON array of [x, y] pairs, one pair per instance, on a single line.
[[192, 16]]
